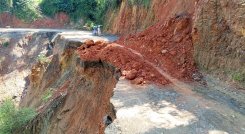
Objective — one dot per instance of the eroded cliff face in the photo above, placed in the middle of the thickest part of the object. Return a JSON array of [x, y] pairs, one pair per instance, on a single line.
[[131, 19], [71, 95], [219, 37], [19, 51]]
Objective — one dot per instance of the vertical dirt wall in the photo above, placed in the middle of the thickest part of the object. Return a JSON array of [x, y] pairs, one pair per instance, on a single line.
[[219, 37], [132, 18]]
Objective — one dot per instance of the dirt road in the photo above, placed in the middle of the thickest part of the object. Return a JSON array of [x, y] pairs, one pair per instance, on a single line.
[[178, 108], [151, 109]]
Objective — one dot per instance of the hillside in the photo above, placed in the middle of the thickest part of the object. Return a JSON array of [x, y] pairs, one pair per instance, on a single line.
[[160, 66]]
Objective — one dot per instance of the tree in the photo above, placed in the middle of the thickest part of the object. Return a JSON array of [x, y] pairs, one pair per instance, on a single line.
[[76, 9], [26, 10], [5, 5]]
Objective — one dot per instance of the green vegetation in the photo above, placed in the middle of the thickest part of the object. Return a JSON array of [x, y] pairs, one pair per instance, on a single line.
[[43, 59], [240, 77], [76, 9], [87, 10], [145, 3], [12, 118], [26, 10], [5, 5], [47, 95], [5, 44]]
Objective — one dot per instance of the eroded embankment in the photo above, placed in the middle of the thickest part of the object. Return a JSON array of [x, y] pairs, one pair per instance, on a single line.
[[19, 51], [71, 95]]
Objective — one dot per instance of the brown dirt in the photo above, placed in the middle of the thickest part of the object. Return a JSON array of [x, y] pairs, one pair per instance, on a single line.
[[81, 92], [130, 19], [167, 46]]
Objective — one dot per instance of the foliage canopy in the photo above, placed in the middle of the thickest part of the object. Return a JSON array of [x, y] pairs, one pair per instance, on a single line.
[[87, 10]]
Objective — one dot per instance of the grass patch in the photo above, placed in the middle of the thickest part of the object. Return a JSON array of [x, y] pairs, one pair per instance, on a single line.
[[240, 77], [47, 95], [12, 118], [145, 3], [43, 59]]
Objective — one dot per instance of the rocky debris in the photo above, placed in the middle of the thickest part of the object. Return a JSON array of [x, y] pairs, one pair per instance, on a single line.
[[107, 120], [164, 51], [90, 43], [137, 55], [132, 65], [130, 75], [197, 76], [175, 54]]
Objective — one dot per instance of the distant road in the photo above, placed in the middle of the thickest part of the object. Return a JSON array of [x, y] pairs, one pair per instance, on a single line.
[[68, 33]]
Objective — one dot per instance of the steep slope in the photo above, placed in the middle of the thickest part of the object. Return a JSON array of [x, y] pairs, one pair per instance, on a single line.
[[19, 51], [219, 38], [132, 18], [71, 95]]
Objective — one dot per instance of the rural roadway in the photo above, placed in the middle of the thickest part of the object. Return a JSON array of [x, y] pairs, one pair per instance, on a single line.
[[73, 34]]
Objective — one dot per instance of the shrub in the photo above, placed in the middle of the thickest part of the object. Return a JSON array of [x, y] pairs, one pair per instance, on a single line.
[[47, 95], [43, 59], [26, 10], [12, 118], [6, 44], [5, 5], [88, 10], [76, 9]]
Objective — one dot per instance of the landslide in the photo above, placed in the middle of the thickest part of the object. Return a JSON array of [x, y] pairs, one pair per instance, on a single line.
[[71, 95], [165, 46], [217, 32], [132, 65]]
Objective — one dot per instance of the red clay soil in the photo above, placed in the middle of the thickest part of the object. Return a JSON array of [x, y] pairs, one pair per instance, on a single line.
[[166, 45], [133, 66]]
